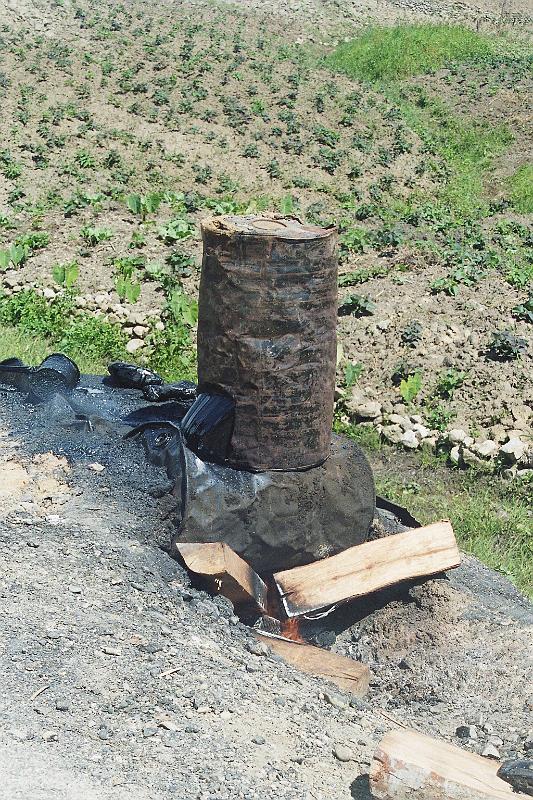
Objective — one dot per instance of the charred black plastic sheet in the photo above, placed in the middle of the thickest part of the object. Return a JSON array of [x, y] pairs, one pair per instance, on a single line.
[[183, 391], [131, 376], [57, 374], [275, 519], [208, 426]]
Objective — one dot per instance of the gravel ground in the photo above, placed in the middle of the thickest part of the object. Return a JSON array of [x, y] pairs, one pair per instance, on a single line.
[[121, 678]]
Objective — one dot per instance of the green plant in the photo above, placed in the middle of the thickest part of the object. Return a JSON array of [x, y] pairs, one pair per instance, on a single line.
[[182, 265], [33, 314], [353, 240], [358, 305], [505, 346], [352, 373], [94, 338], [521, 189], [448, 382], [387, 53], [411, 334], [14, 255], [173, 356], [66, 274], [182, 308], [142, 205], [524, 311], [287, 205], [126, 285], [410, 387], [176, 230], [93, 236], [519, 274], [438, 417]]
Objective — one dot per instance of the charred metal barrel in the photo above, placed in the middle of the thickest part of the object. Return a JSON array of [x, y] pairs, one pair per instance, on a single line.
[[267, 336]]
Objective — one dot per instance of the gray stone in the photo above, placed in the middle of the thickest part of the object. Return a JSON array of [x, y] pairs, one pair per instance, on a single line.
[[335, 700], [342, 752], [456, 436], [455, 454], [489, 751], [513, 450], [466, 732], [393, 433], [487, 449], [20, 734], [370, 410], [133, 345], [470, 458], [410, 440], [257, 648]]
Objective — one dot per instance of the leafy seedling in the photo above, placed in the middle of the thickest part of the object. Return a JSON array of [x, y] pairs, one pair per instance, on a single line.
[[448, 382], [410, 387], [66, 274], [411, 334], [505, 346], [127, 289], [358, 305], [524, 311], [142, 205], [182, 308], [352, 373]]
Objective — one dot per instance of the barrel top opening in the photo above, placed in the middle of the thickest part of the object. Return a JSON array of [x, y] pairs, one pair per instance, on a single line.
[[268, 225]]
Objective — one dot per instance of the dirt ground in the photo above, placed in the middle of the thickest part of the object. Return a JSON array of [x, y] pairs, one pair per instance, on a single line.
[[120, 678]]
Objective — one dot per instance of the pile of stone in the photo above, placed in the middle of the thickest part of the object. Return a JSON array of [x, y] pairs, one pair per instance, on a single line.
[[508, 451]]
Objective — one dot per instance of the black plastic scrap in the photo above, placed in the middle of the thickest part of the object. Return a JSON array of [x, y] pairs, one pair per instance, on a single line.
[[130, 376], [57, 374], [183, 391], [519, 773], [208, 425]]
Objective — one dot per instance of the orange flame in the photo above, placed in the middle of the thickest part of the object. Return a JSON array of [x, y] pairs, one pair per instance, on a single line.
[[290, 629]]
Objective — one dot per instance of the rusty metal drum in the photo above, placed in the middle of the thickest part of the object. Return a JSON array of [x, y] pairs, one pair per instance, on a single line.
[[267, 336]]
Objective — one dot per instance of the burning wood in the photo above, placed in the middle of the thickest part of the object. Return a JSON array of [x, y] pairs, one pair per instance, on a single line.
[[228, 574], [368, 567], [410, 766], [347, 674]]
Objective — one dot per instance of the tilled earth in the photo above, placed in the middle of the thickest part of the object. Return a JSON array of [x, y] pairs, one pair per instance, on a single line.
[[120, 679]]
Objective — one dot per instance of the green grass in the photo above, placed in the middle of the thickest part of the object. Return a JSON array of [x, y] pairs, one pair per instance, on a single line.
[[521, 189], [389, 53], [490, 516], [32, 327], [466, 145], [462, 147], [15, 343]]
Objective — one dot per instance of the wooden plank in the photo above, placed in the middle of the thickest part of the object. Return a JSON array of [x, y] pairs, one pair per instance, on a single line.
[[227, 572], [368, 567], [410, 766], [347, 674]]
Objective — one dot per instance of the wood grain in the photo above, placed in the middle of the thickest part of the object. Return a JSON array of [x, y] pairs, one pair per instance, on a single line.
[[368, 567], [410, 766], [227, 572], [347, 674]]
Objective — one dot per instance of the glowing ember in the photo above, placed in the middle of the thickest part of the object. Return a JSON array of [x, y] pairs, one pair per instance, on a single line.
[[290, 629]]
